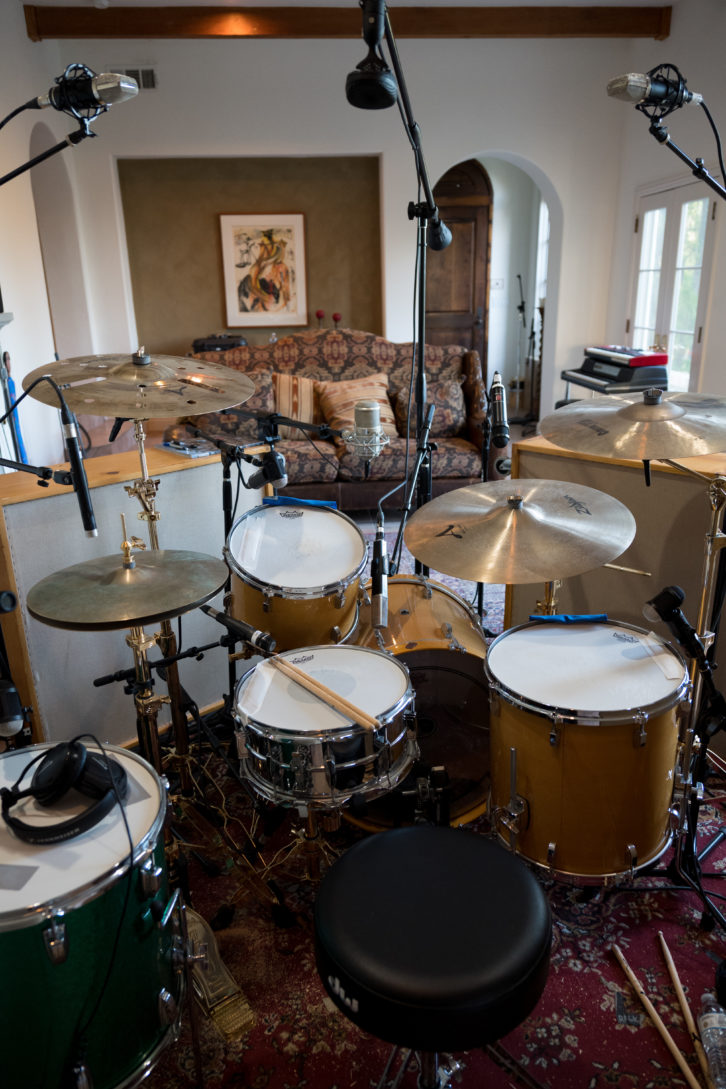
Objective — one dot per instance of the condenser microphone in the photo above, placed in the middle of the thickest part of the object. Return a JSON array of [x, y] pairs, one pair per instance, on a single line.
[[379, 581], [260, 640], [498, 404], [78, 472], [367, 437], [372, 86], [649, 89], [87, 92]]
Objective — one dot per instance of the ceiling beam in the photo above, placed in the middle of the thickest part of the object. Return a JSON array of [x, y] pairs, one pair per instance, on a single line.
[[315, 22]]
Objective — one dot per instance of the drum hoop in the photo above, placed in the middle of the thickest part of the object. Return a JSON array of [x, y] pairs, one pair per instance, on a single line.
[[342, 733], [578, 717], [76, 898], [272, 589], [420, 580]]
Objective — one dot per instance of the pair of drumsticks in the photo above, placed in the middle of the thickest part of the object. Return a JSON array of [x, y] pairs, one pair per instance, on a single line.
[[658, 1022], [327, 695]]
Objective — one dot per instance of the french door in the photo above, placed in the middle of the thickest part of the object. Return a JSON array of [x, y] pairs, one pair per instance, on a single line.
[[674, 242]]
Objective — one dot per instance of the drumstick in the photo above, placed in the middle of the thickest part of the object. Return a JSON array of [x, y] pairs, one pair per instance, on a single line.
[[333, 699], [655, 1018], [686, 1010]]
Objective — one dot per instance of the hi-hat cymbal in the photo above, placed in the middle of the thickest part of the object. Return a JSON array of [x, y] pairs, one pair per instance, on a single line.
[[102, 594], [518, 531], [645, 426], [138, 386]]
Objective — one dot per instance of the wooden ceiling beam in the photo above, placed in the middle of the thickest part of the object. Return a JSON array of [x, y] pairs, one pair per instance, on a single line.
[[315, 22]]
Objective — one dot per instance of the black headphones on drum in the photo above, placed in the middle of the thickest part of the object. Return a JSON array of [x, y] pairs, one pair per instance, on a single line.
[[67, 766]]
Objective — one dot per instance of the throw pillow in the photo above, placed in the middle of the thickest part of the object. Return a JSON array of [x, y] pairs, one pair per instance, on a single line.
[[296, 398], [449, 417], [338, 399], [232, 425]]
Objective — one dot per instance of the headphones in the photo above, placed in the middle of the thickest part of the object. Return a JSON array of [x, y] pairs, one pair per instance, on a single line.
[[67, 766]]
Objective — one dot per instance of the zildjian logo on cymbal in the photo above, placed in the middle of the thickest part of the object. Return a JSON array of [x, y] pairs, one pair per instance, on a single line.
[[578, 505], [450, 532]]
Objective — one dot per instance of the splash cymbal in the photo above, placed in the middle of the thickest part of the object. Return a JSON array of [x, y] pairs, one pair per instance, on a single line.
[[645, 426], [519, 531], [139, 386], [102, 594]]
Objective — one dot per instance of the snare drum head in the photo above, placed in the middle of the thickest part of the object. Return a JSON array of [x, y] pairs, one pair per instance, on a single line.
[[296, 547], [370, 679], [589, 667], [33, 875]]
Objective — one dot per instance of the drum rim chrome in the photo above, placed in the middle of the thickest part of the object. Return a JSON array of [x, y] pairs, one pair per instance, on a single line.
[[297, 593], [341, 733], [33, 914], [578, 716]]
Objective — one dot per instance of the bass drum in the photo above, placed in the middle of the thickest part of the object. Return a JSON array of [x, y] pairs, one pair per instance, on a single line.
[[88, 940], [440, 640]]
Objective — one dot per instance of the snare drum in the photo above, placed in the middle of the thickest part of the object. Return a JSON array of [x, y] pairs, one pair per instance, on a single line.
[[584, 738], [296, 573], [63, 909], [441, 642], [294, 748]]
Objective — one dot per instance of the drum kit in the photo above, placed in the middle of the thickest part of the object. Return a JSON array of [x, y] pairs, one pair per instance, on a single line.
[[554, 731]]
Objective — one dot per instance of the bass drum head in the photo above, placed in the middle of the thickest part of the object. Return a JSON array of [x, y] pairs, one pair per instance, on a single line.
[[452, 714]]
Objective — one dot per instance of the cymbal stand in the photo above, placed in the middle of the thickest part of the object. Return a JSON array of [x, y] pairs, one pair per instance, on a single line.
[[694, 745], [145, 491], [147, 704], [548, 607]]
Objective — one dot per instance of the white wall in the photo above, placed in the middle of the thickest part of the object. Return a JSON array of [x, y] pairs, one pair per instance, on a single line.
[[538, 105]]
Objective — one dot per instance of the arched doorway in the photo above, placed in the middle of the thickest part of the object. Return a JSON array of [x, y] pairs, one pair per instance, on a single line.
[[457, 278]]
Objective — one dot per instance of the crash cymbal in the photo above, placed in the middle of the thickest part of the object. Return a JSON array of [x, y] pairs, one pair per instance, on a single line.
[[645, 426], [101, 594], [518, 531], [138, 386]]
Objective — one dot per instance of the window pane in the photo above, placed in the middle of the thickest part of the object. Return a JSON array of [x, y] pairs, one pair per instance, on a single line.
[[651, 250], [686, 286], [647, 299]]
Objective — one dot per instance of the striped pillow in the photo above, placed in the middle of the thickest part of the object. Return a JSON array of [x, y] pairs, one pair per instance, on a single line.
[[296, 398], [338, 400]]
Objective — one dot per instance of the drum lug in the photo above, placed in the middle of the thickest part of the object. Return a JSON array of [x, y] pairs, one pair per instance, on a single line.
[[381, 641], [168, 1007], [448, 633], [551, 852], [555, 730], [54, 936], [335, 633], [266, 601], [339, 599], [640, 734], [631, 858], [82, 1077], [150, 876]]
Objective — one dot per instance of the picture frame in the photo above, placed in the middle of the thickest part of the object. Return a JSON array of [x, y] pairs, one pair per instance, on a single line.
[[263, 260]]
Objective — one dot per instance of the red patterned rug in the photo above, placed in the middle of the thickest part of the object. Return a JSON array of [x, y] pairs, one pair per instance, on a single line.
[[589, 1030]]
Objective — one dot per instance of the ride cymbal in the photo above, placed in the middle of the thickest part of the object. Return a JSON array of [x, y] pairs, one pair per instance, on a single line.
[[103, 593], [519, 531], [647, 426], [138, 386]]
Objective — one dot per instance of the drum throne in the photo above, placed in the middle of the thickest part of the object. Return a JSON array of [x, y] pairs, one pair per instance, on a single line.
[[433, 939]]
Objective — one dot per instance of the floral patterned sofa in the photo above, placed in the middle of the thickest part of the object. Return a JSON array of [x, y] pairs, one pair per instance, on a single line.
[[328, 470]]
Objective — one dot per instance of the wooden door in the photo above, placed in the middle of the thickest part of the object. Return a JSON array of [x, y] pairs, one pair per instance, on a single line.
[[457, 278]]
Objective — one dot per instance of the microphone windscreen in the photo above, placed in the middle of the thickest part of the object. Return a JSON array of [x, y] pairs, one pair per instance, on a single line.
[[372, 86], [632, 87], [112, 87], [367, 415]]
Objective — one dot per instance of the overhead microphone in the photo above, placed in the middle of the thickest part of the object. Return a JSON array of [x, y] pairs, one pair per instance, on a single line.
[[651, 89], [87, 92], [272, 472], [379, 581], [498, 403], [372, 86], [79, 479], [666, 606], [367, 437]]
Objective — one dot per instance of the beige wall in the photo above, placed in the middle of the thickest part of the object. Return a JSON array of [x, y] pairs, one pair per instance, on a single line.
[[171, 210]]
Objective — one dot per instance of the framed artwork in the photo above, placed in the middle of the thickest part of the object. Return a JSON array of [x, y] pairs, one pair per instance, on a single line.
[[263, 258]]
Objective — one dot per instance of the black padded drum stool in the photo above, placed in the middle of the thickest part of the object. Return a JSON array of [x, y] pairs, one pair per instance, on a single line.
[[432, 938]]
